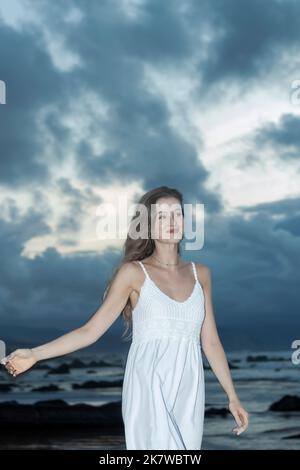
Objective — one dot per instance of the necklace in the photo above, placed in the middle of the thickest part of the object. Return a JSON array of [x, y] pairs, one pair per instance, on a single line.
[[166, 264]]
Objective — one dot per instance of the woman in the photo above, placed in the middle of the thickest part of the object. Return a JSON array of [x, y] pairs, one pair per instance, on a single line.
[[168, 303]]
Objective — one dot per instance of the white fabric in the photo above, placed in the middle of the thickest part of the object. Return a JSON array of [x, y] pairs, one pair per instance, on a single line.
[[163, 390]]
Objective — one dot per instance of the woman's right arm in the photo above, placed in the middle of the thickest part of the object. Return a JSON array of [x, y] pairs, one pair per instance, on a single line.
[[91, 331]]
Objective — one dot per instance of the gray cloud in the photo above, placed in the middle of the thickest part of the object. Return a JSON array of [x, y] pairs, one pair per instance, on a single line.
[[249, 40], [285, 135], [31, 83], [75, 200], [114, 50], [254, 261], [50, 290]]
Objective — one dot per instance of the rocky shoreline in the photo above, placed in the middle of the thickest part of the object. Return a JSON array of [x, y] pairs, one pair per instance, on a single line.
[[60, 413]]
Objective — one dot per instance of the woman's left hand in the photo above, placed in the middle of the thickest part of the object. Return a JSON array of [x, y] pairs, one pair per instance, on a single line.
[[240, 415]]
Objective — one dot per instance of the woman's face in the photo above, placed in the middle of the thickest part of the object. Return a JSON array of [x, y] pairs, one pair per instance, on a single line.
[[168, 221]]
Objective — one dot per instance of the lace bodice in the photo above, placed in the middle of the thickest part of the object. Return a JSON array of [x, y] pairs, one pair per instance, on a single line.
[[156, 315]]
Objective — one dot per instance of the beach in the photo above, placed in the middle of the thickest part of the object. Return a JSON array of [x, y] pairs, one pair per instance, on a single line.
[[75, 403]]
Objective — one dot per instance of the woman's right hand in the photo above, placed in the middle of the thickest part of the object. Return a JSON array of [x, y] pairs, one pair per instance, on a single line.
[[19, 361]]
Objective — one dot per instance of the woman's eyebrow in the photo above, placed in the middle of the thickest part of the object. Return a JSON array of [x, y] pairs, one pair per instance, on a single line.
[[168, 212]]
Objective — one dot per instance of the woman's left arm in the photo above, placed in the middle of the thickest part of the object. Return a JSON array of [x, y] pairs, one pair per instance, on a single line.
[[215, 354]]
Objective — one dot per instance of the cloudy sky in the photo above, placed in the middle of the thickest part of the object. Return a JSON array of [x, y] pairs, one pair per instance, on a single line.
[[114, 97]]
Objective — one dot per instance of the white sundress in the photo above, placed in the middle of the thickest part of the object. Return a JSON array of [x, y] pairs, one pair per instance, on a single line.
[[163, 391]]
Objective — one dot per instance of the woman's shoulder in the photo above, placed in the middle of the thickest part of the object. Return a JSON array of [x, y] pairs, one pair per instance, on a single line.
[[201, 266], [130, 267], [131, 274], [203, 271]]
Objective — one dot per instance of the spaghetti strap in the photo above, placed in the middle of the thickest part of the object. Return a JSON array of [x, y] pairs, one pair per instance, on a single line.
[[195, 272], [143, 268]]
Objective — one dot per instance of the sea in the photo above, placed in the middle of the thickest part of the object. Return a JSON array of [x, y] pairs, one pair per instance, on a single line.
[[261, 378]]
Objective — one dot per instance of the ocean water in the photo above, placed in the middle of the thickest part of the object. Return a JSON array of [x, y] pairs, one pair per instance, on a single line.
[[259, 383]]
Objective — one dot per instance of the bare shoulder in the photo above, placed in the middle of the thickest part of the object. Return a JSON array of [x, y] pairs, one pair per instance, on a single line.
[[131, 272], [204, 273]]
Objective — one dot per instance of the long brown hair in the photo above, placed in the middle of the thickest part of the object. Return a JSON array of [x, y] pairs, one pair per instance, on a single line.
[[140, 248]]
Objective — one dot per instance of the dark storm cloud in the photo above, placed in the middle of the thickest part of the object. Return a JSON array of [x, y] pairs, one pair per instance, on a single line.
[[162, 158], [285, 135], [16, 281], [281, 207], [31, 83], [255, 271], [254, 262], [285, 215], [75, 201], [50, 290], [291, 225], [249, 38], [114, 51]]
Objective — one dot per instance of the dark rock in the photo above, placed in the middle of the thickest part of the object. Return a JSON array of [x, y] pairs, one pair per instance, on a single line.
[[62, 369], [99, 384], [217, 411], [57, 413], [286, 403], [77, 364], [101, 363], [259, 358], [5, 387], [47, 388], [40, 365], [265, 358], [232, 366]]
